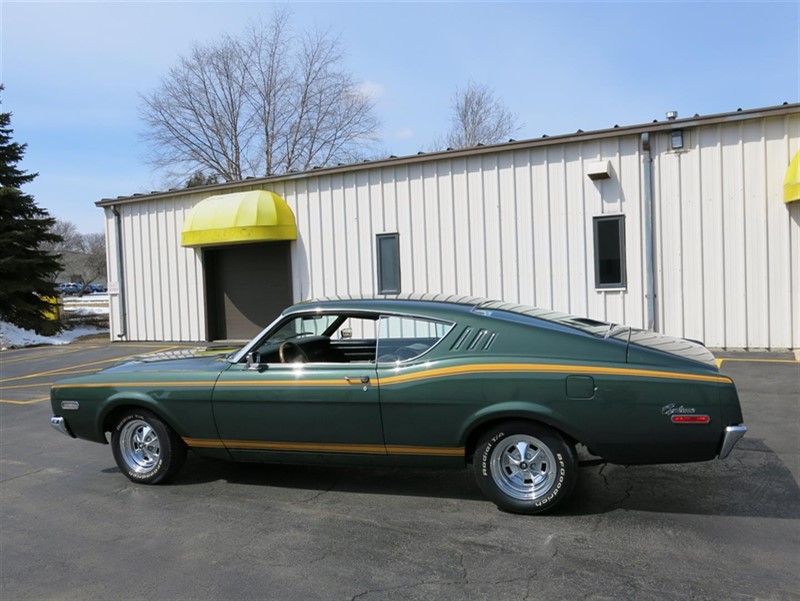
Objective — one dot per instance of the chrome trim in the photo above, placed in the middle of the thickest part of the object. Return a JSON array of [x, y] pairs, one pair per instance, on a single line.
[[733, 434], [61, 425]]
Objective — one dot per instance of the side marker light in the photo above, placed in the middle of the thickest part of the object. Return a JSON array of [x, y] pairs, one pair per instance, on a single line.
[[691, 419]]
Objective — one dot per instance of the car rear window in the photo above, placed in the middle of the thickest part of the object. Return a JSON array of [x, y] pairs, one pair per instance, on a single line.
[[526, 313]]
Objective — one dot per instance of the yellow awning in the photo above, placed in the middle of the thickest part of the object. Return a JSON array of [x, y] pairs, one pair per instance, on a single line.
[[791, 183], [238, 218]]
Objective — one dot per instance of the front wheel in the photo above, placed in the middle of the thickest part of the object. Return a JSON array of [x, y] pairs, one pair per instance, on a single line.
[[525, 467], [146, 449]]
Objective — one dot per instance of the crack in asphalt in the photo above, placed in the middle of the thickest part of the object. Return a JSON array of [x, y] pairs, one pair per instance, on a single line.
[[625, 496], [320, 493], [463, 568], [23, 475], [602, 475]]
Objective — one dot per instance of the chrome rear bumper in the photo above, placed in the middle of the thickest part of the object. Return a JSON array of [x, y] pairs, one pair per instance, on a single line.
[[59, 424], [733, 434]]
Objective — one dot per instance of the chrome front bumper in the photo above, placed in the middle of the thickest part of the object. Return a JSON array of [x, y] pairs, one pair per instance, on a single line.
[[59, 424], [733, 434]]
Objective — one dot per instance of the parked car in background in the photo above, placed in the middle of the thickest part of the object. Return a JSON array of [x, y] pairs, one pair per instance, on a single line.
[[424, 380], [96, 288], [69, 288]]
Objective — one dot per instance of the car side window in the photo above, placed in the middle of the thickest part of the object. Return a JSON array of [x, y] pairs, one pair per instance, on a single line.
[[356, 339], [405, 338], [321, 338]]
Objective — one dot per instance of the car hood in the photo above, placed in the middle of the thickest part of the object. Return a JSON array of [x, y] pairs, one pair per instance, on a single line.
[[182, 360]]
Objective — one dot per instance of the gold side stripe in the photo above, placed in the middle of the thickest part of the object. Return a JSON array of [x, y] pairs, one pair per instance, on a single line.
[[546, 368], [210, 384], [437, 451], [307, 447], [441, 372], [316, 447], [205, 443], [285, 383]]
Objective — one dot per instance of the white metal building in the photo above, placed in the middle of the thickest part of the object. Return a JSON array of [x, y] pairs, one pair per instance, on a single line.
[[687, 226]]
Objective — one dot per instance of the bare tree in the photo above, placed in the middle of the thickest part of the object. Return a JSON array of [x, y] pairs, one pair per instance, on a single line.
[[263, 103], [199, 118], [83, 256], [70, 237], [478, 117], [93, 265]]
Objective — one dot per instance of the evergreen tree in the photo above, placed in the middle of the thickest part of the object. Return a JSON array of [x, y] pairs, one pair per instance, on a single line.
[[26, 269], [199, 178]]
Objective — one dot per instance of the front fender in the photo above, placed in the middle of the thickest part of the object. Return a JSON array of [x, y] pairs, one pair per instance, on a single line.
[[133, 399]]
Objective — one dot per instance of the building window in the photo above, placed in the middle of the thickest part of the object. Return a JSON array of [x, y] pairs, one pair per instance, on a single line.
[[609, 252], [388, 263]]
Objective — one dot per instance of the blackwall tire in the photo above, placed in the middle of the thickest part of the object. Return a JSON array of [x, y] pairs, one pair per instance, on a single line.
[[146, 450], [524, 467]]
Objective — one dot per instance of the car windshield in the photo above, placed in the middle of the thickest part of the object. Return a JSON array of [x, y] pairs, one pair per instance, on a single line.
[[311, 325]]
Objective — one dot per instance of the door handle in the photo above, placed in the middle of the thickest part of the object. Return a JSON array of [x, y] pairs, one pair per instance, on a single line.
[[358, 380]]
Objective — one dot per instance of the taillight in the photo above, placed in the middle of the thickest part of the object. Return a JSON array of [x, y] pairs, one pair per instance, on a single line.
[[690, 419]]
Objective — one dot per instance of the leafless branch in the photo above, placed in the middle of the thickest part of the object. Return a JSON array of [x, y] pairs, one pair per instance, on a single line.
[[263, 103], [478, 117]]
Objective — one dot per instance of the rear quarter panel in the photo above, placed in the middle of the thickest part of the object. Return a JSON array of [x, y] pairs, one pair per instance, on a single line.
[[444, 398]]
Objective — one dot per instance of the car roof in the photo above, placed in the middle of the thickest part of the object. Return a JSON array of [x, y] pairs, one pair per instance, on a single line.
[[426, 304], [432, 304]]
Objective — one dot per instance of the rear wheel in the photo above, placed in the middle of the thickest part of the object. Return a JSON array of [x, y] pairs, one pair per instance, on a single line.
[[146, 449], [525, 467]]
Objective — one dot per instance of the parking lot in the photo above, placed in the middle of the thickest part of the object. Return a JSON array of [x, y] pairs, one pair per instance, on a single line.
[[72, 527]]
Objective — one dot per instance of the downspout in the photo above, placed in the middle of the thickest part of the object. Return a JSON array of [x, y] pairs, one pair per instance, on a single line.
[[123, 310], [650, 291]]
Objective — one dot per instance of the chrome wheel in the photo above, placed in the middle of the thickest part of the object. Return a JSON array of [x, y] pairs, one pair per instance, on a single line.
[[523, 467], [139, 446]]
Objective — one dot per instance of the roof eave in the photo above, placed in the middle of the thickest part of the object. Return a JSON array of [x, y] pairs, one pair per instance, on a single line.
[[579, 136]]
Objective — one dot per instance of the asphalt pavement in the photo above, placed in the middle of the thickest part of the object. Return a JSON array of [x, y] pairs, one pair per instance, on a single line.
[[72, 527]]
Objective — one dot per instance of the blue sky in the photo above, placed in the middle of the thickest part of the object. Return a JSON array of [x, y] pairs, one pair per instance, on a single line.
[[73, 71]]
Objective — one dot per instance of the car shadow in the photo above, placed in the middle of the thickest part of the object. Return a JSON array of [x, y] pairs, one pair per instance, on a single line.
[[434, 483], [751, 482]]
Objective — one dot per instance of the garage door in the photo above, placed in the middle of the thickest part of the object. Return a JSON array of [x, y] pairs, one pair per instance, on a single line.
[[247, 286]]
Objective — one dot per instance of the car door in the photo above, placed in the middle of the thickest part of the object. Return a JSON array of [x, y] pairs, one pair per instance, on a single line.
[[314, 411], [422, 410]]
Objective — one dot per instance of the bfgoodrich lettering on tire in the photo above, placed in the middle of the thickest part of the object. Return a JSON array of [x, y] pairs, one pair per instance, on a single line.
[[146, 449], [524, 467]]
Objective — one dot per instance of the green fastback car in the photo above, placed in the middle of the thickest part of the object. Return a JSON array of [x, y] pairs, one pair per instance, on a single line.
[[424, 380]]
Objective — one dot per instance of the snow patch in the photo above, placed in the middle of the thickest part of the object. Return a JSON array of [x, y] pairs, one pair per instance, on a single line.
[[86, 310], [12, 336], [87, 298]]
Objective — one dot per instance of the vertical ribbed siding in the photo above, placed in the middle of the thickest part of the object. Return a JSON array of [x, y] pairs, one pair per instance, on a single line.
[[792, 236], [518, 225], [164, 287], [726, 242]]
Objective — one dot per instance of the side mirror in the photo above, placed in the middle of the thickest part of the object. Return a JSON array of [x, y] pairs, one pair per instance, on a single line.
[[253, 360], [346, 333]]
